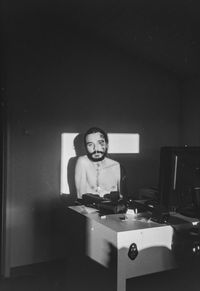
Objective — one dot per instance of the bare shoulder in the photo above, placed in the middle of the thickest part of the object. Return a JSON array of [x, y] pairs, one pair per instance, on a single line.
[[82, 160], [112, 163]]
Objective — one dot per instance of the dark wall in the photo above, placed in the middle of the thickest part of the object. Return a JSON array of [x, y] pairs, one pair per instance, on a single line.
[[61, 78], [191, 113]]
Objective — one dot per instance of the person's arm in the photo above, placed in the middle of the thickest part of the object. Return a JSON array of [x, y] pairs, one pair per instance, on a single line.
[[80, 177]]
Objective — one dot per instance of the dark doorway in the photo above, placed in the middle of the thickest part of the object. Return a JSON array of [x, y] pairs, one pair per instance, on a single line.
[[2, 167], [1, 176]]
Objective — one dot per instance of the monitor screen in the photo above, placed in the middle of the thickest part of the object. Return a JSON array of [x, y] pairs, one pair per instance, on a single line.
[[179, 178]]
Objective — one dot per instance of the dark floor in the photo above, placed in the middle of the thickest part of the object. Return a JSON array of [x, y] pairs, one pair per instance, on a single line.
[[62, 275]]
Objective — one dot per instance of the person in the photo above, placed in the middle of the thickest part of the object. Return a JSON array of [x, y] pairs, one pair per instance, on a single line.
[[95, 173]]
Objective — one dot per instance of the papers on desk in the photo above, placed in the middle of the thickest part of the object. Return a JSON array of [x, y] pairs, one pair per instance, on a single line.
[[86, 210], [131, 211]]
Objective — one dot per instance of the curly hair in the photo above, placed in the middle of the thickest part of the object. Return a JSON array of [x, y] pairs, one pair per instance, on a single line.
[[94, 130]]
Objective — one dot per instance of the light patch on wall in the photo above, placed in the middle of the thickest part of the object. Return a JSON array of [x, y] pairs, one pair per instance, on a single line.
[[119, 143], [123, 143]]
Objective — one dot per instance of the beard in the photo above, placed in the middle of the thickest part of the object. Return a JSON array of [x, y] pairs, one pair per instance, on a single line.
[[98, 159]]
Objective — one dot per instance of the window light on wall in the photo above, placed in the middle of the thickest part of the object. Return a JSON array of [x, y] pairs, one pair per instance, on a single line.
[[119, 143]]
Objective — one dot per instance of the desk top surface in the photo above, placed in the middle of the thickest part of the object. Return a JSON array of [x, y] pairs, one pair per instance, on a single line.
[[129, 222]]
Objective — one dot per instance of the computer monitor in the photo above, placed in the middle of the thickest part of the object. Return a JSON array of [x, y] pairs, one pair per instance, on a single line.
[[179, 179]]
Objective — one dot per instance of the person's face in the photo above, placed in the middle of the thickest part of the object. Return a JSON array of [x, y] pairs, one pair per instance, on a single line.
[[96, 146]]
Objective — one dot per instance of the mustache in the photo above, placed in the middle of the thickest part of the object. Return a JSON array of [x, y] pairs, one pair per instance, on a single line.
[[97, 152]]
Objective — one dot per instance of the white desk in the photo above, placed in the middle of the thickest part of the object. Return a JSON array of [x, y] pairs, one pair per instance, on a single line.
[[110, 234]]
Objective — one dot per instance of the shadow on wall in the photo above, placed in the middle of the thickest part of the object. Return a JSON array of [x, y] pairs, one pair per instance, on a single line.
[[79, 150]]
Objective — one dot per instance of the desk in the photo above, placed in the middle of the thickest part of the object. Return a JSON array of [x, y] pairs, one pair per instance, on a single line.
[[109, 239]]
